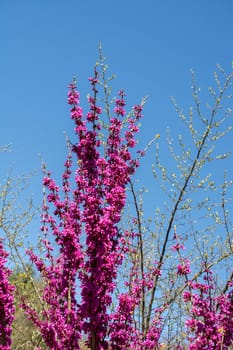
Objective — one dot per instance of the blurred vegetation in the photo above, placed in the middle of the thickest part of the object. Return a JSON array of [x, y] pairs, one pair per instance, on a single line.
[[25, 335]]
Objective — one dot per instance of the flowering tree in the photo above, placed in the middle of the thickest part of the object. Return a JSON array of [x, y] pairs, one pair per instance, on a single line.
[[92, 209], [168, 297]]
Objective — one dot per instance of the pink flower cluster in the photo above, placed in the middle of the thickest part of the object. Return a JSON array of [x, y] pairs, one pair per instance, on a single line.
[[210, 320], [124, 332], [210, 325], [6, 302], [91, 210]]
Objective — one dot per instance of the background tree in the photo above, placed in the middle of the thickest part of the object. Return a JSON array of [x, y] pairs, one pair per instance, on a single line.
[[28, 287], [196, 213], [16, 214]]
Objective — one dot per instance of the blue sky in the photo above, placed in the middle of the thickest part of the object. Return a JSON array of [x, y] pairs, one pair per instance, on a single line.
[[150, 46]]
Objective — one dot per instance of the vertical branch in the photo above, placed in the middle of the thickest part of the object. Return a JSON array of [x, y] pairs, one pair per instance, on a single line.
[[106, 89], [141, 252], [225, 212]]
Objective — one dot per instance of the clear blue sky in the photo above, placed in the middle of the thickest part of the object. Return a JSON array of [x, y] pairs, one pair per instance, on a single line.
[[150, 45]]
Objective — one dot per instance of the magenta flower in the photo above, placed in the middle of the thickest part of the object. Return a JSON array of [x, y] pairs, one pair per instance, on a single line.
[[184, 267], [177, 247], [210, 325], [120, 104], [6, 302], [89, 211]]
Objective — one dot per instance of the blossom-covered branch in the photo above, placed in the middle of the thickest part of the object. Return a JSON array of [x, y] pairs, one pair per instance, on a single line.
[[6, 302], [91, 210]]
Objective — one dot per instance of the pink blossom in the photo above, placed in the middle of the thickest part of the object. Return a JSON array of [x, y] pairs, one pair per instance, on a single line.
[[210, 325], [6, 302], [184, 267], [91, 208], [177, 247]]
